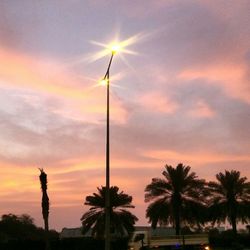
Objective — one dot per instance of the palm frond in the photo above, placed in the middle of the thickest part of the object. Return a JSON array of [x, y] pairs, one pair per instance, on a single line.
[[159, 211], [158, 187]]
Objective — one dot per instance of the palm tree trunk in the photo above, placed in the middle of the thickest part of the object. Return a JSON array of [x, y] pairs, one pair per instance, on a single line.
[[177, 223], [46, 227], [234, 224], [233, 216], [177, 220], [176, 206]]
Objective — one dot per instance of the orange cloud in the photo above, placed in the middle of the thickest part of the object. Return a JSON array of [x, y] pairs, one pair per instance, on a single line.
[[80, 100], [23, 71], [195, 158]]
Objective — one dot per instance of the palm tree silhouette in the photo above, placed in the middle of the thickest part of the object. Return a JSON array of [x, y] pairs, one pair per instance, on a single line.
[[179, 197], [230, 199], [122, 221], [45, 206]]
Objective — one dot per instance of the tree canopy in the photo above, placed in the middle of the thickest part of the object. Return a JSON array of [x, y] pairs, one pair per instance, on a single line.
[[21, 227]]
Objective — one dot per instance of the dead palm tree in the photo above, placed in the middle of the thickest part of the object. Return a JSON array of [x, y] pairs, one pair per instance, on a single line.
[[45, 206]]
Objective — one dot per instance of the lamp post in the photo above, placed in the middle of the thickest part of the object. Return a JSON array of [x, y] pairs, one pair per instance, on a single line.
[[106, 79], [113, 48]]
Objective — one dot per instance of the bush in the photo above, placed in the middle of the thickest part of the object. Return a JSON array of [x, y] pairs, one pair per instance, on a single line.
[[65, 244]]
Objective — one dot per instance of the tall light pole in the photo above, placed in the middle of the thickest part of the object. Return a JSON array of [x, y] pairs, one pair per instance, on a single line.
[[113, 48], [106, 79]]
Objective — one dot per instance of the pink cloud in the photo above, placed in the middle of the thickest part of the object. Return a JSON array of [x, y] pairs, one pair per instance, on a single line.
[[230, 76], [157, 102], [202, 109]]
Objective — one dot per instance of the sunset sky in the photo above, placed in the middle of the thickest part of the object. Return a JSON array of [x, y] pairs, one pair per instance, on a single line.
[[184, 97]]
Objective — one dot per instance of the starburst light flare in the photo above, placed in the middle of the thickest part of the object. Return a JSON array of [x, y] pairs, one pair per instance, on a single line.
[[103, 82], [116, 47]]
